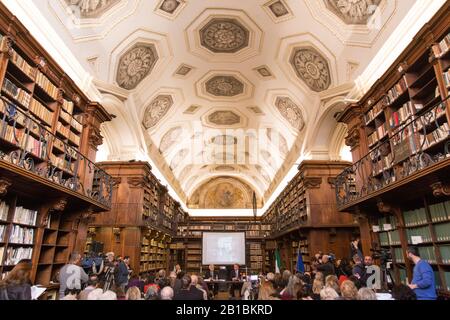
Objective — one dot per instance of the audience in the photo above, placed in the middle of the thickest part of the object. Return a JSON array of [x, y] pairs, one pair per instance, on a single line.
[[328, 281]]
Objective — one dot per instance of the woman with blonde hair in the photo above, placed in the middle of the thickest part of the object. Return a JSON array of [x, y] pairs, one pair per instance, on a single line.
[[17, 284], [332, 282], [266, 289], [348, 290], [133, 293]]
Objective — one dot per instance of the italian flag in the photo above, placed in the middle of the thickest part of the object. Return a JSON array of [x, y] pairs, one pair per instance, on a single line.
[[277, 261]]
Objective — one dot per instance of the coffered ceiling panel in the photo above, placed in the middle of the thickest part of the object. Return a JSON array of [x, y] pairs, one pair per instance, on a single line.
[[225, 94]]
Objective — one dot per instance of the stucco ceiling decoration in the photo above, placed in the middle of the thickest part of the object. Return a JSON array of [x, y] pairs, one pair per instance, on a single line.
[[219, 85], [224, 35], [224, 140], [224, 168], [226, 118], [354, 22], [170, 138], [256, 110], [224, 86], [169, 9], [178, 158], [157, 109], [291, 112], [311, 67], [192, 109], [264, 72], [136, 64], [353, 11], [91, 8], [183, 71], [223, 193], [276, 138], [278, 10]]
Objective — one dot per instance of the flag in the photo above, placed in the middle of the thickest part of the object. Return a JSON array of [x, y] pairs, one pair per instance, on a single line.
[[300, 265], [277, 261]]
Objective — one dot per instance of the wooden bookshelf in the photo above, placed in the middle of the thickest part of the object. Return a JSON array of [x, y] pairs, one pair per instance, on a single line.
[[50, 185], [143, 218], [399, 177]]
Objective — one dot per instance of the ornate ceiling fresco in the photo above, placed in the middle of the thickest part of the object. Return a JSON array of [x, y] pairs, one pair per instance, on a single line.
[[224, 96]]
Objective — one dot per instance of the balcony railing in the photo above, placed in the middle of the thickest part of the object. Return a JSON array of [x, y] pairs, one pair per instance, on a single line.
[[419, 143], [27, 144]]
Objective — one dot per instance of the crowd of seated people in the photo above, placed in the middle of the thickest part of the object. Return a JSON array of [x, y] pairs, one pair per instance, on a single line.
[[329, 279]]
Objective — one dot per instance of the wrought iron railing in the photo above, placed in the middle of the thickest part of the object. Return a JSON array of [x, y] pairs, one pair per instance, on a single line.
[[25, 143], [422, 141]]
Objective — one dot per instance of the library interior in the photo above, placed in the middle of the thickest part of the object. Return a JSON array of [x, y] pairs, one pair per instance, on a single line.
[[225, 150]]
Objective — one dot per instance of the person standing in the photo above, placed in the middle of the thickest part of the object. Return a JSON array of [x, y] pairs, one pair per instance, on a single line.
[[72, 276], [123, 273], [423, 282], [326, 267], [359, 271], [17, 284]]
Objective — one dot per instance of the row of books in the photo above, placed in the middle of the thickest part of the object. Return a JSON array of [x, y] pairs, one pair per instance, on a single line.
[[435, 136], [439, 112], [43, 82], [41, 111], [419, 235], [256, 265], [32, 145], [4, 208], [445, 254], [374, 112], [255, 246], [415, 217], [25, 216], [3, 228], [256, 258], [428, 254], [252, 233], [399, 257], [395, 92], [440, 211], [20, 95], [67, 106], [21, 235], [385, 224], [382, 165], [442, 47], [71, 120], [447, 78], [442, 231], [15, 254], [23, 65], [402, 114], [447, 279]]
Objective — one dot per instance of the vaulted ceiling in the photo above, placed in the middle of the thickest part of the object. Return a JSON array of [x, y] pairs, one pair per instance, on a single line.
[[224, 95]]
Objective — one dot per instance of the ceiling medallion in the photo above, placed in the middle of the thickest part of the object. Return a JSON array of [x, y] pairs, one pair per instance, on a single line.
[[169, 6], [136, 64], [291, 112], [224, 35], [311, 67], [170, 138], [353, 11], [224, 118], [91, 8], [278, 9], [224, 86], [157, 109], [183, 70]]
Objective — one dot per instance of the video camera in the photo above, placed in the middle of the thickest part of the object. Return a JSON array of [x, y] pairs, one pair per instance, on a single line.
[[384, 255]]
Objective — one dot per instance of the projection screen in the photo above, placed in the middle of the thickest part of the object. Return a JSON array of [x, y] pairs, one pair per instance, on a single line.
[[223, 248]]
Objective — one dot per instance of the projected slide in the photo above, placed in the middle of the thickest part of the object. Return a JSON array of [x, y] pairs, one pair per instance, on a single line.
[[223, 248]]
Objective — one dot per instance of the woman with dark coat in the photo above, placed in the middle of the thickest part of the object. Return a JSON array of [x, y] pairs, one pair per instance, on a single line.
[[17, 284]]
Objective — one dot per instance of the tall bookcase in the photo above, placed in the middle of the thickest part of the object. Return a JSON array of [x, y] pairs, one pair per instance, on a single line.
[[142, 221], [399, 135], [305, 214], [49, 134]]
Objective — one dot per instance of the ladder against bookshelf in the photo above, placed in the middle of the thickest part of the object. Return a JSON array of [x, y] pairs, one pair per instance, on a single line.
[[49, 182], [400, 178]]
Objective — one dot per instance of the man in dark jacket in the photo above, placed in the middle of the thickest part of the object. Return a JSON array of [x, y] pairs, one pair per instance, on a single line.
[[188, 292], [359, 270], [123, 273], [327, 268]]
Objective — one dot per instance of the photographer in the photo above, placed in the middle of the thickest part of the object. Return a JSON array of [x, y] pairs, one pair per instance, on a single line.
[[327, 267], [359, 270]]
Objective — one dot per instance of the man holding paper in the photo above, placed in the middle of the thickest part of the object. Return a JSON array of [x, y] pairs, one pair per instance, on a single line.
[[423, 282]]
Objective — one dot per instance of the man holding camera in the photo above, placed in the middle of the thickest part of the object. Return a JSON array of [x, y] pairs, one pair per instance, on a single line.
[[326, 267]]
